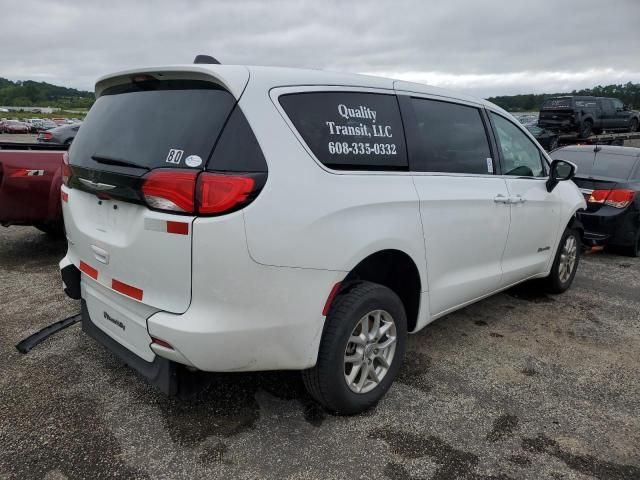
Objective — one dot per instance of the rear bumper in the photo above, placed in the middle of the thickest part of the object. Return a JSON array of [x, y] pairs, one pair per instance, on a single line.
[[243, 315], [265, 318], [610, 226]]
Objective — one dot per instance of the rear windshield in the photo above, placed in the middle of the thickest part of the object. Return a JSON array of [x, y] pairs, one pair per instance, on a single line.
[[602, 165], [173, 123]]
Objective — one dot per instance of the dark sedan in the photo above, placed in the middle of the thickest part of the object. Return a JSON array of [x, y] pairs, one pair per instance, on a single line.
[[609, 178], [546, 138]]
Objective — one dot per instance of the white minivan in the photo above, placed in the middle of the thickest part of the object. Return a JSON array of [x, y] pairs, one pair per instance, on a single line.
[[233, 218]]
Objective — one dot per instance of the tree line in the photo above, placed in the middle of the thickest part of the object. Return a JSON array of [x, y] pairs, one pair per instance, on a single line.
[[41, 94], [30, 94], [629, 93]]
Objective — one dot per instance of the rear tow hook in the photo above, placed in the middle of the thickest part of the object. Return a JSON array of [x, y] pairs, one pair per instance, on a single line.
[[40, 336]]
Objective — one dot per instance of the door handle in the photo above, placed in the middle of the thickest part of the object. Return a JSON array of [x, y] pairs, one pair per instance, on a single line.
[[518, 199], [501, 199]]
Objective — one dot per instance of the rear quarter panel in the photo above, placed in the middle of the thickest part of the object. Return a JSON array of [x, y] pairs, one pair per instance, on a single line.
[[30, 186], [310, 217]]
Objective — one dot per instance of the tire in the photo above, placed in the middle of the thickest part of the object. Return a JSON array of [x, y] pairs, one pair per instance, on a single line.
[[327, 382], [586, 129], [633, 125], [558, 281], [68, 141]]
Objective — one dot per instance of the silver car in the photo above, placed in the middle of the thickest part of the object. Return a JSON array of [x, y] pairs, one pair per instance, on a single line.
[[62, 135]]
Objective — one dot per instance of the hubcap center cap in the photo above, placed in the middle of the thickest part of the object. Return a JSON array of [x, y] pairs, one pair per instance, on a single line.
[[368, 350]]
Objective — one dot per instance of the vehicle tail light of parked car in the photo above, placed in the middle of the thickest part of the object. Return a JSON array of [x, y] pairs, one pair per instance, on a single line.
[[189, 191], [46, 135], [618, 198]]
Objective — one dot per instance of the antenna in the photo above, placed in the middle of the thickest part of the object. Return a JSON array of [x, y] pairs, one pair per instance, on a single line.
[[208, 59]]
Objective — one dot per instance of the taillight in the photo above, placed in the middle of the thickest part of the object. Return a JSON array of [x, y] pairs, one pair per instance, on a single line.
[[598, 196], [620, 198], [66, 169], [46, 135], [202, 193], [171, 189], [218, 193]]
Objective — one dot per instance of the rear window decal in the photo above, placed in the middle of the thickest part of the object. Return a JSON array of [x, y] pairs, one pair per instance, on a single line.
[[174, 156], [193, 161], [350, 130]]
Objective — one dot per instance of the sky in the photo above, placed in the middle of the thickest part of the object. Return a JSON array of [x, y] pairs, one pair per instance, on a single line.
[[479, 47]]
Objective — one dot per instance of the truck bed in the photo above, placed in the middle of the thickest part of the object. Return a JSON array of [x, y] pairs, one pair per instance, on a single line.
[[30, 179]]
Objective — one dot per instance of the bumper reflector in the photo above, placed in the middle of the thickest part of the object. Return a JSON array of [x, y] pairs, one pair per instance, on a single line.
[[161, 343], [125, 289], [180, 228], [88, 270], [332, 294]]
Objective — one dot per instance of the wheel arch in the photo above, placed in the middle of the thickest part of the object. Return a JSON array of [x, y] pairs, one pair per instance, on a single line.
[[396, 270]]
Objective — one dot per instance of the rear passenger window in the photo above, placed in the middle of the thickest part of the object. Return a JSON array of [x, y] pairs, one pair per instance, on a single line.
[[350, 130], [453, 138]]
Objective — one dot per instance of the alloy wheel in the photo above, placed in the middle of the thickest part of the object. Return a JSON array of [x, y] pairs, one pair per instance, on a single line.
[[370, 351], [568, 257]]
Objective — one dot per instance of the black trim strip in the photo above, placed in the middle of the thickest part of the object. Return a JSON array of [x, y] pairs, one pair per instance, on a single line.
[[162, 373]]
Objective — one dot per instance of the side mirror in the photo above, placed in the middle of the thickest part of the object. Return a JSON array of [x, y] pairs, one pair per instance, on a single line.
[[561, 170]]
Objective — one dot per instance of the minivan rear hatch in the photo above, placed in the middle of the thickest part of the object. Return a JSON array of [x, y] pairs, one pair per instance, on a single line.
[[140, 246]]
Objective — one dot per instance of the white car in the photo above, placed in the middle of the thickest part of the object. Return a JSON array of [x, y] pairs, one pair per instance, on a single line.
[[233, 218]]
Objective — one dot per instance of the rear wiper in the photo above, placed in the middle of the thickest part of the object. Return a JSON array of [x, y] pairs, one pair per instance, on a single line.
[[116, 161]]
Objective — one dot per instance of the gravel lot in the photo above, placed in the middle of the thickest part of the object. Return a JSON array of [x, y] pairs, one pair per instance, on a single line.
[[520, 386]]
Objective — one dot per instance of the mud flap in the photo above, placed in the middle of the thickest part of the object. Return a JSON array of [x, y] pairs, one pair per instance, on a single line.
[[71, 280]]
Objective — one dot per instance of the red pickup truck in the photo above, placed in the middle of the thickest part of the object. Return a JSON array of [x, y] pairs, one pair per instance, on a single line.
[[30, 179]]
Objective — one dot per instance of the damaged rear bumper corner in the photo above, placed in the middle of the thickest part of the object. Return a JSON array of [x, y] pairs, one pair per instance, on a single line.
[[161, 372]]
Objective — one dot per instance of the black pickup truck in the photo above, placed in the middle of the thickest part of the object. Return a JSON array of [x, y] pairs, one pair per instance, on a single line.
[[587, 115]]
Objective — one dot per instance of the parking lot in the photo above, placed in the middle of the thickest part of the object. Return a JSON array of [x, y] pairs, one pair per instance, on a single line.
[[519, 386], [19, 137]]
